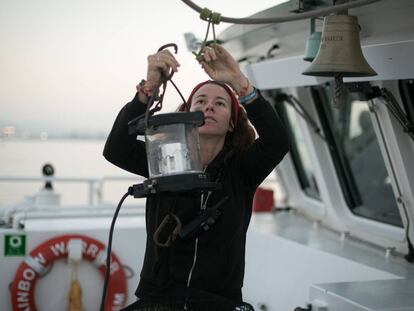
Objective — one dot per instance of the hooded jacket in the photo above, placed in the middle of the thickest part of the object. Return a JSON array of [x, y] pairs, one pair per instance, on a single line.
[[220, 252]]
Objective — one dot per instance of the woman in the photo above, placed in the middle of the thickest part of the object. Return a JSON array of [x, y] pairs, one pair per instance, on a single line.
[[211, 263]]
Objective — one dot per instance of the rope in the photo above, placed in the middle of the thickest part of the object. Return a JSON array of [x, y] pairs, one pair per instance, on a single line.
[[75, 291], [213, 19], [210, 16], [338, 98], [282, 19]]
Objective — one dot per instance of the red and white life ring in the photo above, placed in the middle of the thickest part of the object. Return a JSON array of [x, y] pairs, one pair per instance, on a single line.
[[39, 259]]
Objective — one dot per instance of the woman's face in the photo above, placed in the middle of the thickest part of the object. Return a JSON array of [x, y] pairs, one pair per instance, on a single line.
[[215, 102]]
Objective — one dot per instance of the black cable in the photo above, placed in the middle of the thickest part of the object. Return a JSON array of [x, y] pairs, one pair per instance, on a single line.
[[156, 96], [181, 95], [108, 252], [393, 106], [410, 256], [281, 19], [294, 102]]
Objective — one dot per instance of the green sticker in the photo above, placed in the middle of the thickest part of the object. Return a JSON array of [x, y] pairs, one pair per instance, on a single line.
[[14, 245]]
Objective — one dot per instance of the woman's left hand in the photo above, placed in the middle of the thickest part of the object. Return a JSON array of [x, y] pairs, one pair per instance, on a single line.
[[221, 66]]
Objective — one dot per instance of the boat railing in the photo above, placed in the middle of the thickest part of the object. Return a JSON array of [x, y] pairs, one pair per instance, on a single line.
[[14, 215], [95, 184], [16, 219]]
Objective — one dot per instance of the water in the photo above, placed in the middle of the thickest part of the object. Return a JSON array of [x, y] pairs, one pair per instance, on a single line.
[[70, 158]]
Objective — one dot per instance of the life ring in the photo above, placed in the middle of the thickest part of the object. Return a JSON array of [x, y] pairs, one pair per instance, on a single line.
[[39, 259]]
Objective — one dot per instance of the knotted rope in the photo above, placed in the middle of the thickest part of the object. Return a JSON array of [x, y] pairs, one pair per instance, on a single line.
[[212, 18]]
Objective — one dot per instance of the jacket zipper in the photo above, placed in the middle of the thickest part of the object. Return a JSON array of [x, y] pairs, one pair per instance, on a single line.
[[203, 206], [194, 262]]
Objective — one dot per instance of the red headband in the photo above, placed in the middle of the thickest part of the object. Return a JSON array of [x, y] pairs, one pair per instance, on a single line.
[[234, 101]]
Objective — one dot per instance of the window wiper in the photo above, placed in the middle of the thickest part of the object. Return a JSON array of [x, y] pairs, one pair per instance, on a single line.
[[393, 106], [299, 108]]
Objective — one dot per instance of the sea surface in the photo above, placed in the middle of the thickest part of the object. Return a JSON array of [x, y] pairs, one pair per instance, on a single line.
[[70, 158]]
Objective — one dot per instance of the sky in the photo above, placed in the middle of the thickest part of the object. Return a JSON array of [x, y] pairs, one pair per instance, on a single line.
[[70, 66]]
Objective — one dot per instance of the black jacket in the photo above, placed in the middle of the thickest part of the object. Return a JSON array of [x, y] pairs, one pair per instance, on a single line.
[[220, 262]]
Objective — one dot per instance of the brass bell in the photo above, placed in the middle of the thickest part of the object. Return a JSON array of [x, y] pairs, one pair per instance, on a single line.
[[340, 50]]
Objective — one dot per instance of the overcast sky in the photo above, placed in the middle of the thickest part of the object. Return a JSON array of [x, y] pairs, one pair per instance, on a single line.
[[71, 65]]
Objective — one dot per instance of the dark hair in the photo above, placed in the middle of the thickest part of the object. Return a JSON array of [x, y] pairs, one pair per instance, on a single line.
[[243, 135]]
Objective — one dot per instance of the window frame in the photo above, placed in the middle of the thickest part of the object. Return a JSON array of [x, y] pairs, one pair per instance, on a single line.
[[280, 106], [346, 180], [344, 173]]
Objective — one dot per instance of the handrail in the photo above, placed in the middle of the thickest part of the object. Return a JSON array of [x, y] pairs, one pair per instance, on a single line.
[[95, 183], [289, 18], [19, 217]]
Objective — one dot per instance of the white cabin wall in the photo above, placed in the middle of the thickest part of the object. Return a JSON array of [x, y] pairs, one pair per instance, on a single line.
[[401, 150], [51, 291], [279, 271], [322, 165], [393, 61], [332, 211], [339, 216], [296, 197]]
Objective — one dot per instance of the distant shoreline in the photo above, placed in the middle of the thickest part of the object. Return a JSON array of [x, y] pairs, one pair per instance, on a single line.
[[51, 138]]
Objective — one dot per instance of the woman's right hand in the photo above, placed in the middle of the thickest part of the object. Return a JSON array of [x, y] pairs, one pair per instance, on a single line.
[[159, 66], [220, 65]]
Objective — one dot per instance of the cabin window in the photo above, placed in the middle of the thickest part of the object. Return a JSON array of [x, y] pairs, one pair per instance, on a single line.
[[298, 150], [407, 94], [357, 156]]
